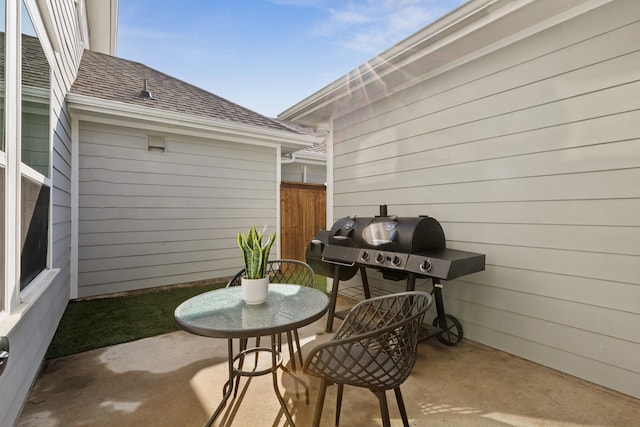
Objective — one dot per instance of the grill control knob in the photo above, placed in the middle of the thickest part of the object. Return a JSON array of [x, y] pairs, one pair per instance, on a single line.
[[426, 265], [365, 255], [396, 260], [380, 258]]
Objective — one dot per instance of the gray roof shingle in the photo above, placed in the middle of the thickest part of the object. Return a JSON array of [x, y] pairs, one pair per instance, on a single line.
[[116, 79], [319, 148]]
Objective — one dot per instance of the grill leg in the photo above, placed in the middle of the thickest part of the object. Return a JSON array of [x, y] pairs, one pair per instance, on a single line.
[[437, 295], [365, 282], [334, 298], [411, 282]]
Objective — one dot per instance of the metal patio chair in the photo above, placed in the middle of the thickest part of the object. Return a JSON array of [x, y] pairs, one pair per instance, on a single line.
[[375, 347]]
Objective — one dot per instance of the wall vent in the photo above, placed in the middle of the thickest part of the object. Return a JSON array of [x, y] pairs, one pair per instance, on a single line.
[[156, 144]]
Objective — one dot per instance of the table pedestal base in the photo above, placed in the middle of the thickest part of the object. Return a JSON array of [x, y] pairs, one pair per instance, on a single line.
[[232, 385]]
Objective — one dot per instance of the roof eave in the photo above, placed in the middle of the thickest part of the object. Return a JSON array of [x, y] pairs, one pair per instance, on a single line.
[[102, 19], [99, 110], [318, 109], [432, 51]]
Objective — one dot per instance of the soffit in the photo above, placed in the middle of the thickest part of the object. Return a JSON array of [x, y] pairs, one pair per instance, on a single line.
[[102, 19]]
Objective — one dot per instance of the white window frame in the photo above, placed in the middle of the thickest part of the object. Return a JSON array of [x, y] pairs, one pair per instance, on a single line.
[[10, 159]]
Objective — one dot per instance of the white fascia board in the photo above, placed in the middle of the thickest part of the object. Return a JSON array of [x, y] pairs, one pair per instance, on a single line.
[[87, 108]]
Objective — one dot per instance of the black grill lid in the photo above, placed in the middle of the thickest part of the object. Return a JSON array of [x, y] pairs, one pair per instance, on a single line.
[[388, 233]]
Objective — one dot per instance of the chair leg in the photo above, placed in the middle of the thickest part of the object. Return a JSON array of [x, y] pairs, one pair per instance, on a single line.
[[292, 358], [292, 355], [403, 411], [384, 408], [339, 403], [320, 402], [299, 349]]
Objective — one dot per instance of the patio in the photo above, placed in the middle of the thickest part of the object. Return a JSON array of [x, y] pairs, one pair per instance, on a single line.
[[175, 380]]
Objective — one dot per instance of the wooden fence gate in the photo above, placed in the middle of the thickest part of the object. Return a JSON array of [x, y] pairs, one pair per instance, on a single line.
[[302, 214]]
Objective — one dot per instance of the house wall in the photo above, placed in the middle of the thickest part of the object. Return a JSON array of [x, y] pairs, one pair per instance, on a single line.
[[531, 155], [300, 172], [150, 219], [30, 325]]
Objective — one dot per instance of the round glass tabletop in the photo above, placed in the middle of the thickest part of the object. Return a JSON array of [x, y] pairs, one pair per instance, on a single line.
[[222, 313]]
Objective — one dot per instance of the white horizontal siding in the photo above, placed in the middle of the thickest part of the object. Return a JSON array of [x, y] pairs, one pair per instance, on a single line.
[[530, 155], [589, 39], [609, 212], [150, 219], [38, 322]]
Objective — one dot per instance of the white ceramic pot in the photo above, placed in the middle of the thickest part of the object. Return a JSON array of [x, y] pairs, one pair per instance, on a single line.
[[254, 291]]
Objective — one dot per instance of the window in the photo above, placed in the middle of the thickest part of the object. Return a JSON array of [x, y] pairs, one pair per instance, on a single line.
[[35, 101], [35, 229], [35, 154], [25, 153]]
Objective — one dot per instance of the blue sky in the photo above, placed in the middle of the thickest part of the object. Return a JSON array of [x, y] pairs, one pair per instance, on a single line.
[[266, 55]]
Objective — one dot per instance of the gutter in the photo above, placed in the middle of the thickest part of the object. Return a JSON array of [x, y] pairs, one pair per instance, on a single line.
[[304, 157], [99, 110], [319, 160]]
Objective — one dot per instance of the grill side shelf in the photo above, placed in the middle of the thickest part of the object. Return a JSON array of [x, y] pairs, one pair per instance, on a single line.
[[446, 264]]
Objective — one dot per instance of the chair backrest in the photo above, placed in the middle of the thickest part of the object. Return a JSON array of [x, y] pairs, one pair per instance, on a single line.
[[284, 271], [376, 345]]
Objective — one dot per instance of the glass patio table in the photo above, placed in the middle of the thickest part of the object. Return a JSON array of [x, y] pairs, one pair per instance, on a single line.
[[222, 313]]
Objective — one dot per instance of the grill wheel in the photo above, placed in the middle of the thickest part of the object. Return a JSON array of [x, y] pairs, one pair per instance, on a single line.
[[451, 332]]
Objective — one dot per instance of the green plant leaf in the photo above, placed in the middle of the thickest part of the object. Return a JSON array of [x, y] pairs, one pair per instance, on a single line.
[[254, 254]]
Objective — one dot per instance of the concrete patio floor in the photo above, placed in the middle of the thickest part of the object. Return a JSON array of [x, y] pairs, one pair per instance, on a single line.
[[176, 379]]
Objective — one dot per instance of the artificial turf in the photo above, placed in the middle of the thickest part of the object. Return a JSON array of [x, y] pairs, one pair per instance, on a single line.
[[91, 324], [96, 323]]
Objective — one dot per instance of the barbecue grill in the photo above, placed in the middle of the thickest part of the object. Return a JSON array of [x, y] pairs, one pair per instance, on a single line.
[[402, 248]]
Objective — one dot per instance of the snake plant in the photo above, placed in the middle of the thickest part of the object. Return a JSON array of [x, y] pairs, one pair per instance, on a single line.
[[254, 253]]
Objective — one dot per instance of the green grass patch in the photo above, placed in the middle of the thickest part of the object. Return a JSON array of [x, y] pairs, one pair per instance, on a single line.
[[90, 324]]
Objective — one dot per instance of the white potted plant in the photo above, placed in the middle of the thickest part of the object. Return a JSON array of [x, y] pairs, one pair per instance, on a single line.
[[255, 254]]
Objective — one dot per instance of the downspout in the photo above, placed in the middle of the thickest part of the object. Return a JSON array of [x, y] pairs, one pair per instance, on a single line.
[[329, 186], [290, 160], [278, 200], [75, 208]]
